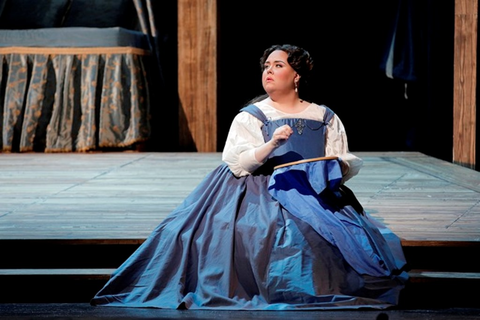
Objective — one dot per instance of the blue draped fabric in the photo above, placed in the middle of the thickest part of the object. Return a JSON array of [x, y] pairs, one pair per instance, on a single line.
[[231, 246], [300, 189], [287, 240]]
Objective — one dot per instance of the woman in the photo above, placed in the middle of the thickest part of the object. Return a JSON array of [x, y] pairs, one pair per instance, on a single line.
[[261, 232]]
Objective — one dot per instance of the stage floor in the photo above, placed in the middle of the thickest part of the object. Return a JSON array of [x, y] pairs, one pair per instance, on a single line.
[[123, 196], [85, 311], [67, 220]]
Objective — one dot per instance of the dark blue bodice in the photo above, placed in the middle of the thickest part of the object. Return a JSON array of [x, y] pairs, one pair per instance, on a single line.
[[307, 140]]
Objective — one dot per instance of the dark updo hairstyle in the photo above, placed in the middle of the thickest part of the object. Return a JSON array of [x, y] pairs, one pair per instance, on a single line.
[[299, 59]]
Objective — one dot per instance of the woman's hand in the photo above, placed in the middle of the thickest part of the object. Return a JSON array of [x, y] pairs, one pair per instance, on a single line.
[[281, 135]]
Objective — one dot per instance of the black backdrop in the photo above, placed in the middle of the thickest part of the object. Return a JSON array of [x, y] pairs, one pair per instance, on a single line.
[[348, 40]]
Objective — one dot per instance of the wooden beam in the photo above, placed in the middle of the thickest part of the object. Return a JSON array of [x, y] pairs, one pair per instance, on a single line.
[[465, 83], [197, 74]]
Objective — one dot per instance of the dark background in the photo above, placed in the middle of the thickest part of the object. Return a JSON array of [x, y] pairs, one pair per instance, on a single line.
[[348, 41]]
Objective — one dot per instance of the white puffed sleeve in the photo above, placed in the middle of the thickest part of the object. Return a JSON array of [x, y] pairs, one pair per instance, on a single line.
[[239, 151], [337, 145]]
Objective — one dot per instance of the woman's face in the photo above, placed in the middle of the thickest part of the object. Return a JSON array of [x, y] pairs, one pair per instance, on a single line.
[[278, 76]]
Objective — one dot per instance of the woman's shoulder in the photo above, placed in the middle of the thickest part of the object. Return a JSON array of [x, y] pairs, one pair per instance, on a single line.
[[320, 107], [263, 105], [317, 112], [247, 116]]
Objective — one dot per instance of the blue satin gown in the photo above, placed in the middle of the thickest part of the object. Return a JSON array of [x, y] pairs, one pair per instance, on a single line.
[[285, 239]]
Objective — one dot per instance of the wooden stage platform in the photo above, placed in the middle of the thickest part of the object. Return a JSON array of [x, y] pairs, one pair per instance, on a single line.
[[123, 196], [72, 212]]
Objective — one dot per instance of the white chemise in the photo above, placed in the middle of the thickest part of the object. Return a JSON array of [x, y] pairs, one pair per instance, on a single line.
[[245, 136]]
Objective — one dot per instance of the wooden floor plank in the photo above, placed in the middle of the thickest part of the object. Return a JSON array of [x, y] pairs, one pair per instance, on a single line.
[[125, 195]]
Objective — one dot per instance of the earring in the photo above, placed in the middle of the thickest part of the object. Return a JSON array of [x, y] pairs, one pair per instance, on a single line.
[[296, 86]]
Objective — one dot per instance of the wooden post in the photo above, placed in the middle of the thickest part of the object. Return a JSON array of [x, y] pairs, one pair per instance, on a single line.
[[197, 75], [465, 82]]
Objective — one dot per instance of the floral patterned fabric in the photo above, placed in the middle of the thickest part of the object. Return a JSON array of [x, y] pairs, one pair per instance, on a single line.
[[81, 88], [57, 101]]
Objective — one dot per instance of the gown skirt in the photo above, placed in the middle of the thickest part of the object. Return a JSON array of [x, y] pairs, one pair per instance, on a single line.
[[287, 240]]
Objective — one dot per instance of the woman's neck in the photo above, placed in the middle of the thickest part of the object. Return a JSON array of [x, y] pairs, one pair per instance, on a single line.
[[288, 104]]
